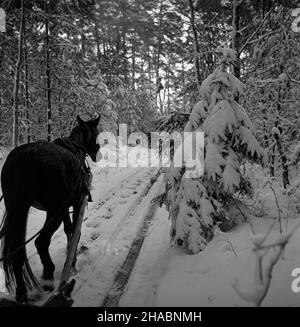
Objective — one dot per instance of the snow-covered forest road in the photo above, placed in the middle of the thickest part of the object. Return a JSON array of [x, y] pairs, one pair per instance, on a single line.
[[121, 198]]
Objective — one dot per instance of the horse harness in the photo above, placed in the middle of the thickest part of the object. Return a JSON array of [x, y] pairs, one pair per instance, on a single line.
[[85, 170]]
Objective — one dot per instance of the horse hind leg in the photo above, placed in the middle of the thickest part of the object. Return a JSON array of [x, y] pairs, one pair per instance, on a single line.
[[42, 243], [21, 290], [16, 266], [68, 227]]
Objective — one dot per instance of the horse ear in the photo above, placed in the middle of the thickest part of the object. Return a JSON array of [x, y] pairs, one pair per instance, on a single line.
[[96, 121], [79, 120]]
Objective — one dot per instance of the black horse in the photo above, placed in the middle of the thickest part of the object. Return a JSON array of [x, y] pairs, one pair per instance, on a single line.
[[51, 176]]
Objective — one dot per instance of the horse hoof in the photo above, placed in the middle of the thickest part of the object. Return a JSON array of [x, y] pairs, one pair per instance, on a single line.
[[48, 288], [22, 298], [48, 285], [179, 242], [74, 271]]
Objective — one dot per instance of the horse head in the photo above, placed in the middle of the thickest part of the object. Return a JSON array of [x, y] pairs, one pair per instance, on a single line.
[[89, 133]]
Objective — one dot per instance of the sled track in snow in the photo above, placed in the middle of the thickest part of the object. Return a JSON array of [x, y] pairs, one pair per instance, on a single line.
[[130, 231], [113, 296], [133, 206]]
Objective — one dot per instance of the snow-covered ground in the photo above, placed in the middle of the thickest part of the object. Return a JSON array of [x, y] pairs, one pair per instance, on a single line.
[[164, 275]]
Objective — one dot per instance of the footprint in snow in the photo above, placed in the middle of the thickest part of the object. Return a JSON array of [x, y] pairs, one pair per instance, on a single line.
[[124, 195], [100, 204], [131, 190], [82, 249], [108, 214], [36, 296], [106, 248], [108, 197], [95, 234], [93, 224]]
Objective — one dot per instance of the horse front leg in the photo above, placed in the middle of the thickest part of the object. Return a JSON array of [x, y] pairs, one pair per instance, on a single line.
[[76, 211], [42, 244], [15, 264], [68, 228]]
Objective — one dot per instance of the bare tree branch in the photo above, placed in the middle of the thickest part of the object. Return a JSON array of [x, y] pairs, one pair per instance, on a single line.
[[258, 28]]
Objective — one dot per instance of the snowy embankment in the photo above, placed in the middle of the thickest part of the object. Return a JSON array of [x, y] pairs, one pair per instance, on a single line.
[[166, 276]]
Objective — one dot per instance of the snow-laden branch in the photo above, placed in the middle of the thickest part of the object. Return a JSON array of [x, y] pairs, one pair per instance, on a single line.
[[282, 78]]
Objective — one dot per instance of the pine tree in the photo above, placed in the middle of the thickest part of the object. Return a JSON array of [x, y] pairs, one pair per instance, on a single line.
[[196, 205]]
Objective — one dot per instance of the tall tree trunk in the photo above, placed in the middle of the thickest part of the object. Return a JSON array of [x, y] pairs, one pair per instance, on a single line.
[[15, 136], [196, 46], [133, 61], [283, 159], [83, 41], [272, 161], [235, 35], [124, 30], [26, 83], [97, 37], [149, 70], [168, 86], [48, 77], [158, 54], [60, 111], [185, 99]]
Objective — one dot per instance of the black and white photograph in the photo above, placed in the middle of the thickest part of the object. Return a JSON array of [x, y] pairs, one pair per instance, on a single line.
[[150, 157]]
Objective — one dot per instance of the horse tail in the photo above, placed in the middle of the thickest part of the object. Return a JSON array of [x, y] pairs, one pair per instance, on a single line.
[[13, 234]]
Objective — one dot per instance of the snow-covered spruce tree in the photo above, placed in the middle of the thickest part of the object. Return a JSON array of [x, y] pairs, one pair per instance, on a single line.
[[196, 205]]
